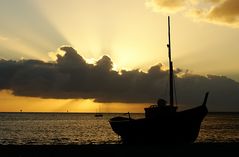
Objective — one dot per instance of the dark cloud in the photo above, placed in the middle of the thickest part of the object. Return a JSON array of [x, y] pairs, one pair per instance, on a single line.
[[72, 77]]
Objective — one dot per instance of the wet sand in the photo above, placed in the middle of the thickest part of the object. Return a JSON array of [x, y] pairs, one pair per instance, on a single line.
[[115, 150]]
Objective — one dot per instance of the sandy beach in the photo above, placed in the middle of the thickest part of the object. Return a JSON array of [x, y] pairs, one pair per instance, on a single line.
[[193, 150]]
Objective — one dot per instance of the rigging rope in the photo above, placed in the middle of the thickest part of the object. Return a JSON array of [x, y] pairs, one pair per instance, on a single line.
[[176, 100]]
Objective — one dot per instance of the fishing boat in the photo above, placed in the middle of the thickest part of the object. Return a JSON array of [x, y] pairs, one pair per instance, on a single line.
[[162, 123]]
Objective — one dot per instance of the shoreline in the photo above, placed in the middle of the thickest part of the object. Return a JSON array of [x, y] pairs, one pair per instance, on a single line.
[[193, 150]]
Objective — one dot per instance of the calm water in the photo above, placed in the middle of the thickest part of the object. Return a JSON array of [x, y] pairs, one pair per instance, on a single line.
[[78, 128]]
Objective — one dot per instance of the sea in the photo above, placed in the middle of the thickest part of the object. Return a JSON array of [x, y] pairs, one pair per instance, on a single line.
[[84, 128]]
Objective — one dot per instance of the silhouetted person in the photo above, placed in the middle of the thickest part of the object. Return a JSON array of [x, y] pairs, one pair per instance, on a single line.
[[164, 107], [161, 102]]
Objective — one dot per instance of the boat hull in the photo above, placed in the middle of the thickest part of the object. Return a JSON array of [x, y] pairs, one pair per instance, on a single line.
[[178, 127]]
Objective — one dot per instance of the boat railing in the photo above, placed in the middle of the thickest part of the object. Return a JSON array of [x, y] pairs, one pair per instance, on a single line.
[[205, 99]]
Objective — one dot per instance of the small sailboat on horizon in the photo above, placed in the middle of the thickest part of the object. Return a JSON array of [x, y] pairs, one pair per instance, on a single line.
[[162, 123], [98, 113]]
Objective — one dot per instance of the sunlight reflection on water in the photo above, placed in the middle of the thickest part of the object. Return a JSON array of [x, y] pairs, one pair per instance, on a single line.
[[70, 128], [220, 127]]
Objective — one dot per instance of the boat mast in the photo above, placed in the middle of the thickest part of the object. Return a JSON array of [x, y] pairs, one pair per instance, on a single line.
[[170, 67]]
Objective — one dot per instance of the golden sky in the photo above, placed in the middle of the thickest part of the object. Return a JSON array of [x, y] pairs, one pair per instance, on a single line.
[[10, 103], [132, 32]]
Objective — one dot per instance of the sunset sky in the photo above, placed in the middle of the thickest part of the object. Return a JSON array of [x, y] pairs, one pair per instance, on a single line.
[[131, 34]]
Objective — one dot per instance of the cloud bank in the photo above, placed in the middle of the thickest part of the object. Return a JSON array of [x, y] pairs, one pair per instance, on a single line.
[[72, 77], [223, 12], [166, 5]]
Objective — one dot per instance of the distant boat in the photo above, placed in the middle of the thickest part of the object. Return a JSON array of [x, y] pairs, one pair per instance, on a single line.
[[98, 115], [162, 123]]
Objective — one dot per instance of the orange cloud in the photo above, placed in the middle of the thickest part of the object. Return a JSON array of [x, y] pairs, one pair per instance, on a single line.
[[168, 6], [223, 12]]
